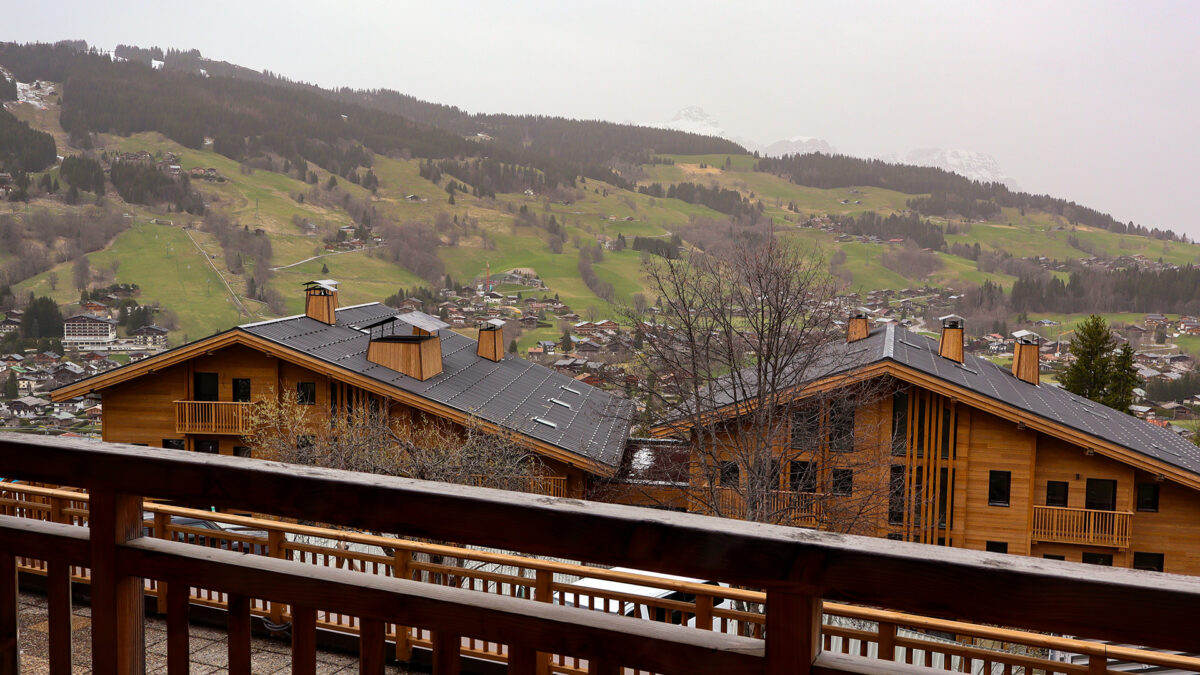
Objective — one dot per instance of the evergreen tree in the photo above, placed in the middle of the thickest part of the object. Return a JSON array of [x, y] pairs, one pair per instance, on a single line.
[[567, 345], [512, 347], [1122, 379], [324, 269], [10, 386], [1092, 348]]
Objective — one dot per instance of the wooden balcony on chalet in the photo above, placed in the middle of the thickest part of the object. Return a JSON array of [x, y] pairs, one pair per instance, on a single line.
[[212, 417], [1082, 526], [779, 609], [800, 509]]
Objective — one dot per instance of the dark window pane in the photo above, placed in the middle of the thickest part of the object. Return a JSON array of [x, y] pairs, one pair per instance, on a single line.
[[1147, 496], [730, 475], [803, 476], [174, 443], [1101, 494], [1148, 561], [896, 495], [241, 451], [204, 387], [998, 487], [1056, 493], [1051, 556], [843, 481], [208, 445], [1098, 559], [996, 547], [306, 392], [841, 426], [806, 428], [241, 389], [899, 424]]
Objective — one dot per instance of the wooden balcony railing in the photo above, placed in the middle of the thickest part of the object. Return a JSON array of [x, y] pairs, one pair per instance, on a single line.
[[1082, 526], [461, 601], [212, 417], [551, 486], [800, 509]]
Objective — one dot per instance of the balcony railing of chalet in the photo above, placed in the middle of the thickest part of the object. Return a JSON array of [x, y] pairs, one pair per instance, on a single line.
[[458, 601], [212, 417], [781, 506], [1082, 526], [551, 486]]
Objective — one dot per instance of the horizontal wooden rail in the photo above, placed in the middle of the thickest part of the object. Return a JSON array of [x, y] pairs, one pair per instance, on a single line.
[[258, 536], [794, 567]]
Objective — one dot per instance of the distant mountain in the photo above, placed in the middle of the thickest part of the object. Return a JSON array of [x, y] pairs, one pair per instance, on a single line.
[[693, 120], [797, 145], [974, 165]]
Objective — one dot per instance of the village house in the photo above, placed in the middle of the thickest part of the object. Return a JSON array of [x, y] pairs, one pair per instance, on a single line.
[[196, 397], [150, 336], [989, 458]]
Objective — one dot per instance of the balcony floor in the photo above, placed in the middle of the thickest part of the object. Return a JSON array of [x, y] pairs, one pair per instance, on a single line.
[[209, 651]]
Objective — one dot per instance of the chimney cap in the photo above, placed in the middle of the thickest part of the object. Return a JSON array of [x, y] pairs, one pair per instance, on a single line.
[[952, 321], [327, 284], [1027, 337], [491, 324], [422, 320]]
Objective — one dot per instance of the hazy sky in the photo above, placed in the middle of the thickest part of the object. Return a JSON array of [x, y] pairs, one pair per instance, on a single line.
[[1091, 101]]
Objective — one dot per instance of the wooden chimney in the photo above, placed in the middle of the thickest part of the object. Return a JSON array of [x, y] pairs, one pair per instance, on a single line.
[[951, 344], [858, 328], [408, 345], [321, 300], [491, 340], [1025, 358]]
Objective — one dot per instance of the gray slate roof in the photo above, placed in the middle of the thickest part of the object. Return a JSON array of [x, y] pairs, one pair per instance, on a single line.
[[1046, 401], [512, 393]]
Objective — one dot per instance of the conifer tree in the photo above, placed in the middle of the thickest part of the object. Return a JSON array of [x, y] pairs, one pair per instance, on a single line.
[[1092, 348], [10, 386], [1121, 380]]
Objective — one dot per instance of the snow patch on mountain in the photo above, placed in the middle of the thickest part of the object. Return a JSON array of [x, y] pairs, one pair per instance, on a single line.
[[974, 165], [692, 120]]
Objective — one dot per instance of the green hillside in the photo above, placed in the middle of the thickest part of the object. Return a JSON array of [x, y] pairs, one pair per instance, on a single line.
[[297, 216]]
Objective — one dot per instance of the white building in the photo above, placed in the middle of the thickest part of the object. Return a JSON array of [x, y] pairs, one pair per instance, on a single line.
[[84, 331]]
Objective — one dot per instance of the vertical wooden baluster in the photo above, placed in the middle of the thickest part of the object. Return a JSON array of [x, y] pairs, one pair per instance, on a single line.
[[10, 654], [371, 646], [161, 531], [542, 592], [887, 641], [238, 617], [793, 626], [178, 644], [401, 570], [446, 653], [304, 640], [1097, 664], [118, 622], [704, 612], [58, 601], [522, 660], [275, 549]]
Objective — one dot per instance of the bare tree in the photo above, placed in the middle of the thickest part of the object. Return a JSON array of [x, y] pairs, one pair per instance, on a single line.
[[739, 363], [82, 273], [368, 439]]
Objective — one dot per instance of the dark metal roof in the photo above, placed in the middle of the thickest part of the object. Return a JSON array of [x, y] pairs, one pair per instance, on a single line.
[[893, 343], [512, 393]]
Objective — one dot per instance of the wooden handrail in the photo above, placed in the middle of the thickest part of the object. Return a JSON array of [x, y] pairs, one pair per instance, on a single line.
[[212, 417], [1082, 526], [700, 591], [795, 567]]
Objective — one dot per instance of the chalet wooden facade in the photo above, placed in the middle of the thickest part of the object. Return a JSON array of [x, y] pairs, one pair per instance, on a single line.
[[960, 452], [198, 397]]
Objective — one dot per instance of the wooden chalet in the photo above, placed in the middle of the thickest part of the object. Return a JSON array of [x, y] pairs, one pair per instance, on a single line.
[[987, 458], [197, 397]]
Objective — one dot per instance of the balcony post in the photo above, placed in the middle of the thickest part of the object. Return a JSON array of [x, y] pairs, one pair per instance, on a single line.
[[10, 654], [793, 632], [401, 570], [887, 641], [542, 593], [118, 628]]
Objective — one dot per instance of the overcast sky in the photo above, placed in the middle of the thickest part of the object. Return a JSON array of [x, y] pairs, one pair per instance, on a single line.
[[1091, 101]]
